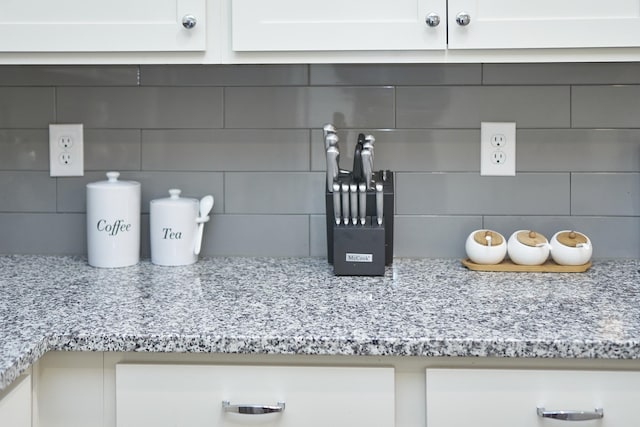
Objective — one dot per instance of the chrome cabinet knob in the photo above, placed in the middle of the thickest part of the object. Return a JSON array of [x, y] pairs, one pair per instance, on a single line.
[[189, 21], [433, 19], [463, 18]]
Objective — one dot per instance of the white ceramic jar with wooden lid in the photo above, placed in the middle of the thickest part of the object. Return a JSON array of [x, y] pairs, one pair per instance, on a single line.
[[526, 247], [569, 247], [486, 247]]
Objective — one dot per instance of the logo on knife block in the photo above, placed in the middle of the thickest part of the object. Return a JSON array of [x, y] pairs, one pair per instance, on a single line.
[[359, 257]]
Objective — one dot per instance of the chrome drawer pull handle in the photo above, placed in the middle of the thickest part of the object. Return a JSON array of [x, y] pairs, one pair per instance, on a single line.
[[572, 415], [252, 409]]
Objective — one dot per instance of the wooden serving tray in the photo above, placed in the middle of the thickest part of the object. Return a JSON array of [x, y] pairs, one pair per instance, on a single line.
[[508, 265]]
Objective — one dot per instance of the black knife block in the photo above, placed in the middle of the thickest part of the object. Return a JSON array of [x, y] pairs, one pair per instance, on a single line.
[[359, 250], [356, 239]]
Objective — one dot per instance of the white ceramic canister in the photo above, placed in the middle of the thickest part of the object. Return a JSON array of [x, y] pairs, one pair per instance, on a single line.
[[113, 222], [569, 247], [173, 229], [526, 247], [486, 247]]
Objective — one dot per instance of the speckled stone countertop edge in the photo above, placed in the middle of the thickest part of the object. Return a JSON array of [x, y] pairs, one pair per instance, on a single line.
[[420, 308], [331, 347]]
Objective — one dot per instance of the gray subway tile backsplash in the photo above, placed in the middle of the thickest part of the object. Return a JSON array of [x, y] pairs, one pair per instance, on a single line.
[[226, 150], [610, 194], [27, 191], [274, 192], [26, 107], [257, 235], [395, 74], [562, 73], [468, 193], [431, 236], [309, 107], [64, 75], [43, 233], [578, 150], [250, 135], [24, 149], [610, 106], [113, 149], [140, 107], [467, 106], [224, 75]]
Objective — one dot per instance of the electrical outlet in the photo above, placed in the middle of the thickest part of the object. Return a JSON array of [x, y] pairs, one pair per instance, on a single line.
[[66, 150], [498, 149]]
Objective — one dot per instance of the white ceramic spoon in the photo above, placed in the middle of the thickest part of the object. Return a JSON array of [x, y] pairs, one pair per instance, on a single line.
[[206, 204]]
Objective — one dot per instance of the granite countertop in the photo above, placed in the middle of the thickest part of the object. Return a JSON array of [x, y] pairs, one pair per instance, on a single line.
[[421, 307]]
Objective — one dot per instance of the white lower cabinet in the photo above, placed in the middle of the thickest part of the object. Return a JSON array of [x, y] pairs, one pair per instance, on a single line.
[[507, 398], [193, 395], [15, 404]]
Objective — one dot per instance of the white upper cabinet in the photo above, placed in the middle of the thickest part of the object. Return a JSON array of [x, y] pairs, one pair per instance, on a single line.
[[509, 24], [337, 25], [102, 26]]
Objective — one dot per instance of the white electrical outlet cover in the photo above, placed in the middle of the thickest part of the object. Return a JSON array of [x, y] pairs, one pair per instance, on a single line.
[[498, 149], [66, 150]]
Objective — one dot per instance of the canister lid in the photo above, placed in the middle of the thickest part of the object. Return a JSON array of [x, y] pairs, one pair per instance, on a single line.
[[481, 237], [531, 238], [113, 182], [174, 199], [571, 238]]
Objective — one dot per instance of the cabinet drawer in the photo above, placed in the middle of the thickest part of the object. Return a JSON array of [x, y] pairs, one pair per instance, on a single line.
[[476, 397], [193, 395]]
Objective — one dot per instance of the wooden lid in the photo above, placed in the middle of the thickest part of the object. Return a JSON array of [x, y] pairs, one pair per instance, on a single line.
[[481, 237], [530, 238], [571, 238]]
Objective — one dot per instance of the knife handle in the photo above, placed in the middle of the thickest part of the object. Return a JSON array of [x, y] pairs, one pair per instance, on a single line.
[[353, 187], [370, 141], [367, 166], [327, 129], [345, 203], [379, 203], [332, 166], [331, 140], [337, 211], [362, 213], [357, 164]]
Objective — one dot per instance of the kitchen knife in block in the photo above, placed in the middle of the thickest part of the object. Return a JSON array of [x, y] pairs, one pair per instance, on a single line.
[[359, 251], [386, 178]]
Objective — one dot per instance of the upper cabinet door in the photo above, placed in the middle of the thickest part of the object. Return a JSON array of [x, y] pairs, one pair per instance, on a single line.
[[102, 26], [506, 24], [335, 25]]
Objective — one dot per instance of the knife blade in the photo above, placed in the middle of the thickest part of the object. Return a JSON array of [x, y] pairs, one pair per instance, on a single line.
[[379, 203], [354, 202], [345, 203], [337, 210], [362, 213], [332, 166]]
